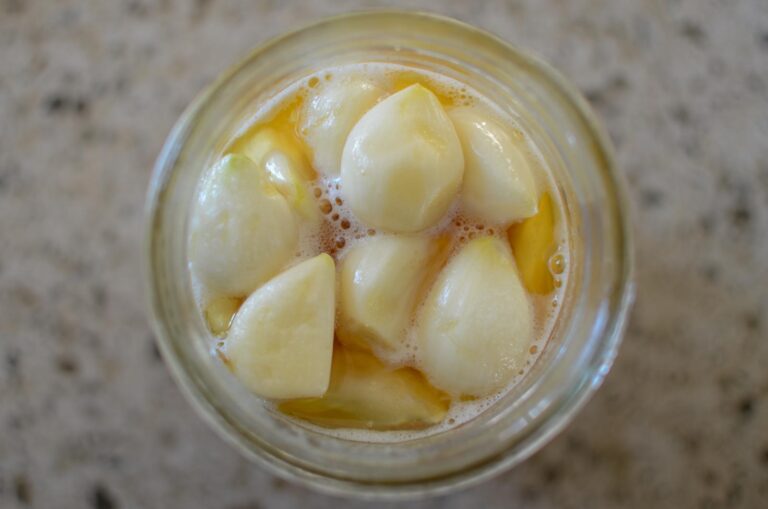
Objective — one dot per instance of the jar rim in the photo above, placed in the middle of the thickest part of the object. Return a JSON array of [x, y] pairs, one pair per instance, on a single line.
[[621, 296]]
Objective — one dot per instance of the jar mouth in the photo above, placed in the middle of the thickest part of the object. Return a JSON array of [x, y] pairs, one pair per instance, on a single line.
[[494, 442]]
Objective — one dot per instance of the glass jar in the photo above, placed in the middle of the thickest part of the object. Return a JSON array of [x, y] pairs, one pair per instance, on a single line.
[[594, 308]]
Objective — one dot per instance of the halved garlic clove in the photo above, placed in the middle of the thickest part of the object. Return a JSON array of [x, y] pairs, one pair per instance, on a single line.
[[380, 280], [280, 342], [242, 229], [366, 394], [402, 162], [328, 116], [498, 181], [476, 325]]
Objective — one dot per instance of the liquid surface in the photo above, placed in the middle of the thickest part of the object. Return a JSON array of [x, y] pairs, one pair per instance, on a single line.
[[378, 394]]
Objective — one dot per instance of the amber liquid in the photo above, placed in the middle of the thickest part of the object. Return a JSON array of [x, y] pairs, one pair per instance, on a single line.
[[366, 392]]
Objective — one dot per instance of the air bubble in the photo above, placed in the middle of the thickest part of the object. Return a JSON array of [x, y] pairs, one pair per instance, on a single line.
[[345, 224], [313, 81], [371, 232], [325, 206], [338, 201], [557, 264], [317, 192], [335, 216], [533, 349], [340, 242]]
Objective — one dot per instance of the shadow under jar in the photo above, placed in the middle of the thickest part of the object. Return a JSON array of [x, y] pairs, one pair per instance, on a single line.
[[588, 327]]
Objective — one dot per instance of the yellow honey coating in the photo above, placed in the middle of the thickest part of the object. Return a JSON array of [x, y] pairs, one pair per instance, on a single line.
[[219, 313], [533, 243], [366, 394]]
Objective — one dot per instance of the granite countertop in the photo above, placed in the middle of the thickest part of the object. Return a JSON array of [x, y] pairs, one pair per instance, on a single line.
[[89, 416]]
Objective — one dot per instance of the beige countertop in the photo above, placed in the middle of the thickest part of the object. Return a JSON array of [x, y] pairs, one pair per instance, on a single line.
[[89, 416]]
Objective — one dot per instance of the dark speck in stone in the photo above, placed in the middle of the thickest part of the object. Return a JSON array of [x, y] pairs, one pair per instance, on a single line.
[[26, 297], [168, 438], [652, 197], [693, 32], [575, 444], [200, 8], [746, 407], [752, 321], [741, 216], [602, 96], [154, 350], [80, 105], [54, 104], [733, 495], [14, 6], [136, 8], [278, 483], [551, 474], [15, 422], [691, 443], [709, 477], [529, 493], [618, 83], [67, 365], [99, 296], [101, 498], [22, 489], [595, 96], [681, 115], [12, 359], [707, 223], [711, 272], [59, 103], [763, 38]]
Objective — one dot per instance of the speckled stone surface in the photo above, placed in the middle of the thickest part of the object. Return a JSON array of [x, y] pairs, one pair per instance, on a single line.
[[89, 416]]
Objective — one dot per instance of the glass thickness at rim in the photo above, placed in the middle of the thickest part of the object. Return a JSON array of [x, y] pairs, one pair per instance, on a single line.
[[493, 442]]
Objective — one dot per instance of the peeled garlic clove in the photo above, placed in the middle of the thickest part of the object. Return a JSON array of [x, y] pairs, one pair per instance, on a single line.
[[329, 115], [475, 327], [366, 394], [266, 142], [286, 166], [402, 163], [498, 181], [380, 282], [286, 178], [280, 342], [242, 229]]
